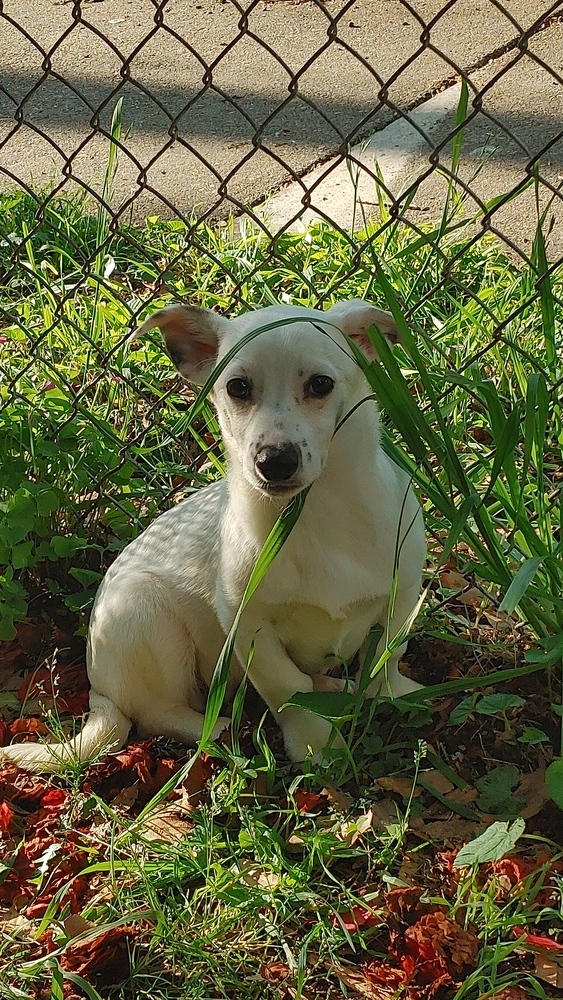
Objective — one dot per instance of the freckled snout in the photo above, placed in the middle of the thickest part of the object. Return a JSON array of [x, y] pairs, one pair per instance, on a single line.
[[277, 463]]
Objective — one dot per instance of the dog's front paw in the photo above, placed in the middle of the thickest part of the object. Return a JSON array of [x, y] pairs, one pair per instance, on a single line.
[[391, 684], [306, 735], [324, 682]]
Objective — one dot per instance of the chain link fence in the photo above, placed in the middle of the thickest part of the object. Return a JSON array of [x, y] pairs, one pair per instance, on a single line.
[[140, 146]]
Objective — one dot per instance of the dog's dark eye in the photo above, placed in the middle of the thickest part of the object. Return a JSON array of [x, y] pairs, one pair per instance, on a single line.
[[239, 388], [319, 385]]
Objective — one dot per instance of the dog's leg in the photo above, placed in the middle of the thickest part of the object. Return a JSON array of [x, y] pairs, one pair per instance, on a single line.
[[276, 678], [150, 654], [390, 683], [324, 682]]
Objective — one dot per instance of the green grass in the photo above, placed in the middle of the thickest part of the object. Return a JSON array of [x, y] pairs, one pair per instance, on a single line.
[[111, 437], [252, 883], [98, 435]]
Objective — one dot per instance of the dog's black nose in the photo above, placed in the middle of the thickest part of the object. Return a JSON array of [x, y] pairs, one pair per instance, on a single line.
[[277, 464]]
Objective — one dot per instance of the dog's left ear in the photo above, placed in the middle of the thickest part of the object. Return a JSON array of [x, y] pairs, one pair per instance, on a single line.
[[191, 336], [354, 318]]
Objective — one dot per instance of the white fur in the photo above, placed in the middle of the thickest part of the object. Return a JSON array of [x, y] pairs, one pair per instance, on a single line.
[[165, 605]]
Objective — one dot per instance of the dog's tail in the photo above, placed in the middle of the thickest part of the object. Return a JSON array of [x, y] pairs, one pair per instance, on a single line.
[[106, 729]]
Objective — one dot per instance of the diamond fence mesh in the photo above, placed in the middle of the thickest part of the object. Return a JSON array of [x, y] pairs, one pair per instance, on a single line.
[[139, 144]]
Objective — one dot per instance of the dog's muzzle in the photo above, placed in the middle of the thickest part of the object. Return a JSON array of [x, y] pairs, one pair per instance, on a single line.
[[277, 463]]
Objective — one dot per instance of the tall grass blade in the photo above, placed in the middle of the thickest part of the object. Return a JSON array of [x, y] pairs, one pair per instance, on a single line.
[[274, 542], [519, 585]]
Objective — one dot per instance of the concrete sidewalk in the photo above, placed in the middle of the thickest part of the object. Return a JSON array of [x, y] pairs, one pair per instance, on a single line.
[[214, 122], [522, 113]]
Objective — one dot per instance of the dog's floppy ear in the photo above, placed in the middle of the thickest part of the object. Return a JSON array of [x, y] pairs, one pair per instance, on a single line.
[[191, 336], [354, 318]]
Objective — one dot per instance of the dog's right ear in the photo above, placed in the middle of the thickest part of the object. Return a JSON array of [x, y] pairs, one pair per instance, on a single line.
[[191, 336]]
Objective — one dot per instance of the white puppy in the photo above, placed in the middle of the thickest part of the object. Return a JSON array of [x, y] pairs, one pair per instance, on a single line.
[[165, 605]]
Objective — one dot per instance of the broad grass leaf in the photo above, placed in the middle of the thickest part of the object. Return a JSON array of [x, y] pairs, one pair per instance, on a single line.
[[9, 700], [533, 735], [544, 287], [460, 120], [493, 704], [520, 584], [554, 781], [461, 712], [496, 841], [468, 683], [57, 988], [496, 789], [552, 651], [327, 704]]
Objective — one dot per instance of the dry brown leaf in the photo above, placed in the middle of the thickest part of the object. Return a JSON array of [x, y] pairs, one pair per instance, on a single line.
[[12, 682], [502, 623], [167, 825], [275, 972], [127, 796], [257, 791], [309, 802], [353, 830], [76, 924], [384, 813], [392, 783], [377, 981], [406, 903], [533, 791], [474, 597], [453, 580], [27, 727], [550, 972], [438, 781], [103, 959], [287, 990], [295, 841], [409, 870], [463, 796], [436, 947], [255, 876], [448, 830], [337, 798], [18, 925]]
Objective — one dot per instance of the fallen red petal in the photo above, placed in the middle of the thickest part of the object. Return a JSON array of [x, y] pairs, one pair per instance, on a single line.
[[104, 959], [275, 972], [65, 686], [537, 940], [308, 801], [54, 799], [6, 817], [440, 948], [31, 726], [406, 904], [355, 919], [19, 786]]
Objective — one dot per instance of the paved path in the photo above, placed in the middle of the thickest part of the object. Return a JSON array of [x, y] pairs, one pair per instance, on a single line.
[[193, 108]]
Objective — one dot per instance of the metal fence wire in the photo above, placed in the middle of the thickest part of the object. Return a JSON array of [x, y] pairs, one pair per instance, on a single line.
[[139, 144]]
